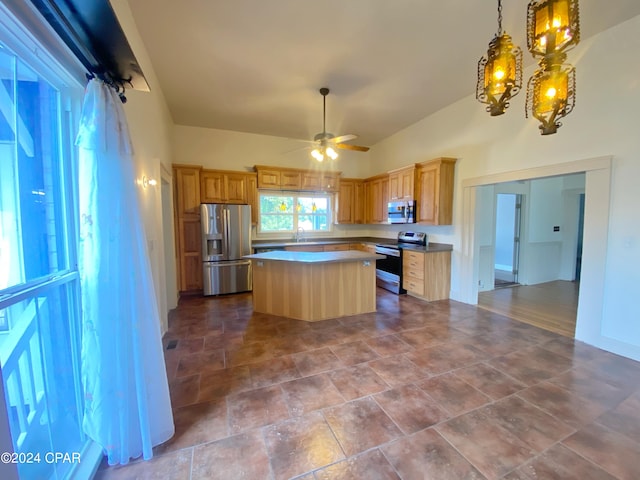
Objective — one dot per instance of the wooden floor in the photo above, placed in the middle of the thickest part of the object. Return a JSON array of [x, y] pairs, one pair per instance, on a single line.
[[552, 306]]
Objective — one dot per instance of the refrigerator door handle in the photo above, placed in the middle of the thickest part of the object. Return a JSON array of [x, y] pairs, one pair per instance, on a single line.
[[227, 223]]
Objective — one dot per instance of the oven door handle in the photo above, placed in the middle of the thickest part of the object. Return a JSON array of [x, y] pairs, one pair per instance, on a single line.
[[392, 252]]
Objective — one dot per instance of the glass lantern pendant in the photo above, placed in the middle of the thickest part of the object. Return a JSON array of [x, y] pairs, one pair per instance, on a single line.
[[553, 26], [499, 72], [551, 96]]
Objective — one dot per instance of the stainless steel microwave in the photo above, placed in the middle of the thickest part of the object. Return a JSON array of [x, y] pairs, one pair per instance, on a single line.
[[401, 212]]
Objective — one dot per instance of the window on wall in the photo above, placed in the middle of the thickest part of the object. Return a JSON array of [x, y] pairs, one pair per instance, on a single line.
[[286, 212], [39, 308]]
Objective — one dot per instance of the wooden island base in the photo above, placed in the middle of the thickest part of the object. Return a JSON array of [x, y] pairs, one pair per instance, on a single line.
[[314, 288]]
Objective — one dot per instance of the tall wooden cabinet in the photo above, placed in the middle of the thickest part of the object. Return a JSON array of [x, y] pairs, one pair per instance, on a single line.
[[435, 191], [350, 201], [187, 220], [376, 190]]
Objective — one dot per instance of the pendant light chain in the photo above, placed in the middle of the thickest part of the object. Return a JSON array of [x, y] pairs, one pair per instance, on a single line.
[[499, 18]]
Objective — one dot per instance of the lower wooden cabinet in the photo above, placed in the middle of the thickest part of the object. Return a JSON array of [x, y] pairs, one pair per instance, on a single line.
[[427, 275]]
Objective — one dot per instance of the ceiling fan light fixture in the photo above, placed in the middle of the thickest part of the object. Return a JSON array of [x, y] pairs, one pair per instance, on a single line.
[[331, 153], [315, 153]]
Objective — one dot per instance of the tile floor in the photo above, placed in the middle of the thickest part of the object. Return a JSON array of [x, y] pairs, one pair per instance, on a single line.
[[417, 390]]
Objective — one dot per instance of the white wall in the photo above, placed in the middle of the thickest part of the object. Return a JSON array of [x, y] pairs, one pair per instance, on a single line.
[[604, 122], [150, 126]]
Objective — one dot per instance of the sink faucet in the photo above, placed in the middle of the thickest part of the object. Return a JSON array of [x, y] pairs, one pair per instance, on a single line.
[[299, 234]]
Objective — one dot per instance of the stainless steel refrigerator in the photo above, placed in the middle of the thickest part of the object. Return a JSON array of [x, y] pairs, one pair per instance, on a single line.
[[226, 237]]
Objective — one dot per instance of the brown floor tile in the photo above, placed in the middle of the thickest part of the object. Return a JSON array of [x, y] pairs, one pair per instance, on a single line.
[[357, 381], [193, 363], [615, 453], [218, 384], [184, 390], [531, 365], [528, 423], [354, 353], [625, 418], [197, 424], [493, 450], [176, 465], [370, 465], [316, 361], [397, 370], [301, 445], [426, 455], [595, 387], [248, 354], [310, 393], [559, 463], [360, 425], [276, 370], [489, 381], [388, 345], [240, 456], [410, 408], [562, 404], [530, 404], [443, 358], [256, 408], [453, 394]]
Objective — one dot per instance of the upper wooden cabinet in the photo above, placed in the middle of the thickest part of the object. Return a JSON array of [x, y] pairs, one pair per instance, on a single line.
[[401, 183], [275, 178], [252, 196], [350, 201], [187, 189], [376, 192], [435, 191], [219, 186]]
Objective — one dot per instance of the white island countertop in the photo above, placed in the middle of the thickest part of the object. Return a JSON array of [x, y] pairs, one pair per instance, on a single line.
[[315, 257]]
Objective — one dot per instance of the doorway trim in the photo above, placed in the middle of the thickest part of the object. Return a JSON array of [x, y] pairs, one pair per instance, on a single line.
[[596, 226]]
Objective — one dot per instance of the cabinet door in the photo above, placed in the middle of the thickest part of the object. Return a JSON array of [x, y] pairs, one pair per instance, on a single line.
[[359, 201], [407, 183], [345, 202], [330, 182], [187, 190], [190, 255], [337, 247], [235, 188], [212, 187], [252, 196], [290, 180], [429, 188], [395, 186], [268, 178], [311, 181]]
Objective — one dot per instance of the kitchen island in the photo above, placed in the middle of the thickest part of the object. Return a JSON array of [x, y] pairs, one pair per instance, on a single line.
[[314, 286]]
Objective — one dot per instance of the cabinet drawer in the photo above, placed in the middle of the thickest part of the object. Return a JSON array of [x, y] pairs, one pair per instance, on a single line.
[[413, 285], [336, 247], [413, 258], [414, 273]]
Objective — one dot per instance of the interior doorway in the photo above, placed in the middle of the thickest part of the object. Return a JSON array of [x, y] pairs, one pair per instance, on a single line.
[[507, 239]]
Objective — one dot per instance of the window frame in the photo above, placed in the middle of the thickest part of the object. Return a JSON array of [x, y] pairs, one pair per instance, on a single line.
[[295, 195]]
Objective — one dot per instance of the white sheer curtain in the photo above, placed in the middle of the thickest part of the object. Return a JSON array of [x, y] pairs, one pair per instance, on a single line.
[[127, 405]]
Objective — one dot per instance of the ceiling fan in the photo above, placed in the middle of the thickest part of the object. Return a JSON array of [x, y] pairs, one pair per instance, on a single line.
[[327, 141]]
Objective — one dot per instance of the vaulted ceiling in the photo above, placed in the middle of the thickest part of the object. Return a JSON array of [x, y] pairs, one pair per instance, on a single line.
[[256, 65]]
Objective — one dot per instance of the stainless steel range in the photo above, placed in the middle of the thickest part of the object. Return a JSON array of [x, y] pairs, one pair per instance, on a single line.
[[389, 269]]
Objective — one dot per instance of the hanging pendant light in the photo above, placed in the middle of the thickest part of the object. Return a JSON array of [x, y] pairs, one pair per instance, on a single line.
[[551, 96], [553, 28], [499, 72]]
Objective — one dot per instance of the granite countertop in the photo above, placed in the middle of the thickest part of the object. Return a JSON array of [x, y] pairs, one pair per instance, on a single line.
[[319, 241], [431, 247], [314, 257]]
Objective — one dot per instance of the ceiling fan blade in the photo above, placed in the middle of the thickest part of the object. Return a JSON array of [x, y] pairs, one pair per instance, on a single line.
[[357, 148], [343, 138]]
